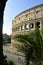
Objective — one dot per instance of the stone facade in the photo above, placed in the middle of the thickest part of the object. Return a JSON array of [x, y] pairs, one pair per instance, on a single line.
[[25, 22]]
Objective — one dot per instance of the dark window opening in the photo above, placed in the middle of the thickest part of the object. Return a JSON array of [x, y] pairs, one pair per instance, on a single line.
[[19, 18], [26, 15], [38, 24], [16, 28], [37, 12]]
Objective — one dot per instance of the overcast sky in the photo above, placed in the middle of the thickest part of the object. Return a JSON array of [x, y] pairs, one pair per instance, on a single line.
[[14, 7]]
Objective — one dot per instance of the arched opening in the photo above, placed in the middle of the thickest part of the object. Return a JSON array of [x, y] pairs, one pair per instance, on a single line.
[[38, 24], [22, 27], [31, 25], [26, 26]]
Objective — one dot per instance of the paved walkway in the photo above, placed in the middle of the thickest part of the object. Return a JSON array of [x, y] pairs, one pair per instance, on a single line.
[[12, 54]]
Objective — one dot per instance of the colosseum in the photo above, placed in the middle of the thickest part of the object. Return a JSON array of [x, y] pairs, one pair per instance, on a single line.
[[25, 22]]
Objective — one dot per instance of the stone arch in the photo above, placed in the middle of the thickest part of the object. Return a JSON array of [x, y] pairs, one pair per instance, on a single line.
[[26, 26], [31, 25], [22, 27]]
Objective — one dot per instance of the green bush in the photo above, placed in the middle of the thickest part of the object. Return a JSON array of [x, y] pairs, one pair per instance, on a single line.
[[11, 63]]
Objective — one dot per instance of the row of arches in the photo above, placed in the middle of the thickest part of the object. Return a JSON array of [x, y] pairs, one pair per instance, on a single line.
[[26, 26]]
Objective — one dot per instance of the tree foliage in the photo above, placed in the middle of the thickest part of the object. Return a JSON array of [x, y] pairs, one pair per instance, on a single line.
[[32, 46]]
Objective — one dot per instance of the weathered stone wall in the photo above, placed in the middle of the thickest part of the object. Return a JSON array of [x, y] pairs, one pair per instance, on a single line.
[[25, 21]]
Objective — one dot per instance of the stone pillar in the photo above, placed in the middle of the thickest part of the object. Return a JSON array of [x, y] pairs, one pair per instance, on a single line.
[[34, 25], [41, 24], [28, 26]]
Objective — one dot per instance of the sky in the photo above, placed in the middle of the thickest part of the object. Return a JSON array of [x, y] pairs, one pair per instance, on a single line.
[[13, 8]]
